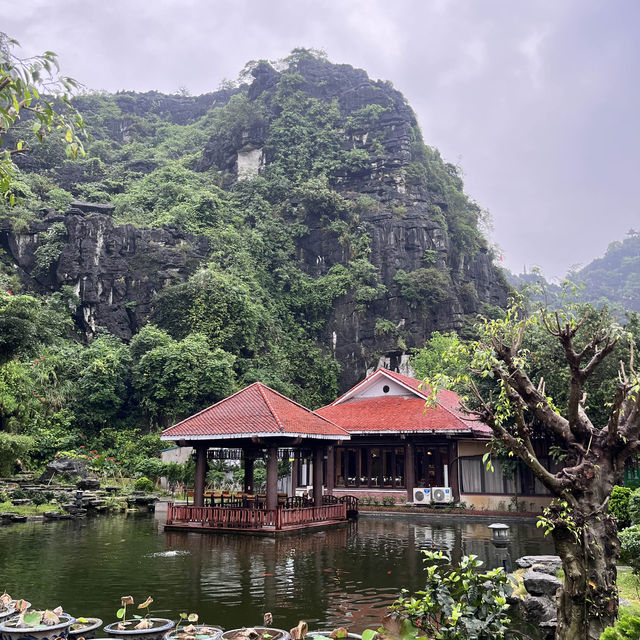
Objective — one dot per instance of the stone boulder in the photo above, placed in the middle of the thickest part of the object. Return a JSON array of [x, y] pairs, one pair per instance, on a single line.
[[528, 561], [538, 609], [541, 584], [88, 483], [68, 467]]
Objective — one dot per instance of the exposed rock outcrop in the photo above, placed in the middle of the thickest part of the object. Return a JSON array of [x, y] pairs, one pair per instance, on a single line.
[[114, 270]]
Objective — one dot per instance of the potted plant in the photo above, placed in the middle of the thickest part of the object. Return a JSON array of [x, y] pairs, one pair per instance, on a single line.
[[337, 634], [267, 632], [192, 631], [10, 607], [301, 632], [86, 628], [138, 627], [37, 625]]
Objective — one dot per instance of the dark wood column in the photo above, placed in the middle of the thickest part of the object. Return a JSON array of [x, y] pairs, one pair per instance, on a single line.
[[318, 455], [331, 469], [295, 473], [272, 478], [409, 469], [454, 481], [248, 472], [201, 474]]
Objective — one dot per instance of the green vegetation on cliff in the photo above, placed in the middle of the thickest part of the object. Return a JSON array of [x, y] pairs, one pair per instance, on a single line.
[[287, 176]]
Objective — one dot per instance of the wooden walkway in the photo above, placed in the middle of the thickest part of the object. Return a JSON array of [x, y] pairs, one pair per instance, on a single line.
[[291, 516]]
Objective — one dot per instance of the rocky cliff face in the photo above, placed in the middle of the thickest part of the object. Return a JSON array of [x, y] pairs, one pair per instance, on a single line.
[[404, 219], [115, 271], [409, 207]]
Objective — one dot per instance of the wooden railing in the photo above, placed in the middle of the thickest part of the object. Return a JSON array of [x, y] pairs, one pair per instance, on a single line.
[[244, 518], [306, 515]]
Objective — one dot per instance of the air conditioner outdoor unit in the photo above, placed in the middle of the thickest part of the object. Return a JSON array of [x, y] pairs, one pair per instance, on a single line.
[[421, 495], [441, 494]]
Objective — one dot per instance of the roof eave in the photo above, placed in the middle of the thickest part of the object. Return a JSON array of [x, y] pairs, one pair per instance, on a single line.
[[354, 432], [268, 434]]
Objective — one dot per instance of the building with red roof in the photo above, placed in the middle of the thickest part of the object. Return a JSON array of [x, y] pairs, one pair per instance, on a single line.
[[379, 440]]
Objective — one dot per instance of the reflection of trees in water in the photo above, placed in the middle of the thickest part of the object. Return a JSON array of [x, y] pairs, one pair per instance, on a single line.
[[345, 575]]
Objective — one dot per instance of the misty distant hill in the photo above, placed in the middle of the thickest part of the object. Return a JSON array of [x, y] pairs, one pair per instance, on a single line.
[[613, 279]]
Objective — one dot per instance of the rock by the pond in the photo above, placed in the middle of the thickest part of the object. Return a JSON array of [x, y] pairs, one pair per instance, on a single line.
[[528, 561], [142, 499], [541, 584], [68, 467], [18, 518], [88, 483]]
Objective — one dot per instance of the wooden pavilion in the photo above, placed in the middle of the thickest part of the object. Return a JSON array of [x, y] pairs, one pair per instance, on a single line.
[[258, 421]]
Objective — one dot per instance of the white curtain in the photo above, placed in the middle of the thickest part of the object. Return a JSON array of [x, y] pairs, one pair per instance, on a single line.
[[471, 475]]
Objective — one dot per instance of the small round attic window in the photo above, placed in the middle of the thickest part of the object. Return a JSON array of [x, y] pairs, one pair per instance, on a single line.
[[385, 389]]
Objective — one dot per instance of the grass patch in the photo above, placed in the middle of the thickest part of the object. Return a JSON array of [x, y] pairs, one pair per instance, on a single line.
[[628, 588], [27, 509]]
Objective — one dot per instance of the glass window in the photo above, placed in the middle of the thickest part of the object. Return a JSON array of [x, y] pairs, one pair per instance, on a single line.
[[376, 467], [399, 479], [493, 480], [340, 464], [471, 474], [387, 468], [363, 473], [352, 467]]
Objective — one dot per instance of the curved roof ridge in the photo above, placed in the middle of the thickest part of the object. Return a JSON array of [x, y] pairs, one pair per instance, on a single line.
[[276, 417]]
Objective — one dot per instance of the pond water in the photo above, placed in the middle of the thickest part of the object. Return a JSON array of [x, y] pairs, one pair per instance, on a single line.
[[341, 576]]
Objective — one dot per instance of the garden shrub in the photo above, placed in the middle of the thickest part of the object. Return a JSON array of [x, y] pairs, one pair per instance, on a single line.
[[627, 628], [143, 484], [12, 449], [619, 505], [458, 603], [634, 507], [630, 547]]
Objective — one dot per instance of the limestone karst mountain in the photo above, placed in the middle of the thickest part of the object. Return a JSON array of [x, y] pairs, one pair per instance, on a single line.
[[296, 218]]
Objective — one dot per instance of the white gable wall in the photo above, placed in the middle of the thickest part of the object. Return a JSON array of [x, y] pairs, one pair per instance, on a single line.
[[376, 388]]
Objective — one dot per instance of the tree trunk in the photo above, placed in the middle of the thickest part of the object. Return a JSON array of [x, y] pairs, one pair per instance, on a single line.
[[588, 600]]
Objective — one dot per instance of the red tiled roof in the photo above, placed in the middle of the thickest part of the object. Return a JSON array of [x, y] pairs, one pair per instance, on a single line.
[[394, 414], [402, 413], [451, 401], [257, 410]]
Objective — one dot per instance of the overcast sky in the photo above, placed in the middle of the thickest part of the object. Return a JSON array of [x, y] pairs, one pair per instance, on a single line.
[[537, 101]]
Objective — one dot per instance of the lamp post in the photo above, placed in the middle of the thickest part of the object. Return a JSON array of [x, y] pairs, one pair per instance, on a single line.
[[500, 539]]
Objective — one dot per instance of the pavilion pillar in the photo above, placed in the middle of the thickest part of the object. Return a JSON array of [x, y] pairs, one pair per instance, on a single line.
[[200, 475], [272, 478], [295, 473], [331, 469], [318, 455], [409, 469], [454, 480], [248, 472]]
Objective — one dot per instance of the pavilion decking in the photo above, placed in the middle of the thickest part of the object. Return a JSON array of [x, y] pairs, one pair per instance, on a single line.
[[254, 520]]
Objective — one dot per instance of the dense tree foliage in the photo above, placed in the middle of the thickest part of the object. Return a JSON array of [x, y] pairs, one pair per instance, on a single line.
[[253, 309], [530, 376], [22, 81]]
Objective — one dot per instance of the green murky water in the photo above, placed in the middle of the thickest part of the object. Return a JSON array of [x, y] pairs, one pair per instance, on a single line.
[[340, 576]]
